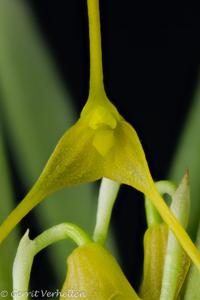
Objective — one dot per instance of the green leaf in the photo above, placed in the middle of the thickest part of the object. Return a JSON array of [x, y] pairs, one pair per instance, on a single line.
[[8, 248], [192, 287], [187, 156], [37, 109]]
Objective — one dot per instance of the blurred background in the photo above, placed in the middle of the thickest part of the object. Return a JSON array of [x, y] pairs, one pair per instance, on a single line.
[[151, 65]]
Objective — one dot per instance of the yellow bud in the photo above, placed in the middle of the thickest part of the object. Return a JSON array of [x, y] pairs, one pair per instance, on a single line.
[[155, 240], [94, 274]]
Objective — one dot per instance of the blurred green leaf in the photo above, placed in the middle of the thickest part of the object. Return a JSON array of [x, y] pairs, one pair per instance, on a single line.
[[192, 287], [8, 248], [37, 109], [188, 156]]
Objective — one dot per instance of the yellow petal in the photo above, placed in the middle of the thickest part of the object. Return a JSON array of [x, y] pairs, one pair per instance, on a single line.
[[73, 161], [93, 271], [126, 162]]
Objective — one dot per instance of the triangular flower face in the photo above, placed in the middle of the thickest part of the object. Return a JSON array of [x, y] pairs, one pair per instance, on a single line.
[[100, 144]]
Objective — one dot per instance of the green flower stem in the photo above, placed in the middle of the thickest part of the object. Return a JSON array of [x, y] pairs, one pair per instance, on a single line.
[[27, 249], [61, 232], [107, 196], [152, 215], [96, 69]]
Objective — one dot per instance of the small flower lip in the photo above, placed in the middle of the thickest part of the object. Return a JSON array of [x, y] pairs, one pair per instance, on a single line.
[[103, 140]]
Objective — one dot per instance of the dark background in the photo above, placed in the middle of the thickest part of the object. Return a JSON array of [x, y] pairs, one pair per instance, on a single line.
[[150, 58]]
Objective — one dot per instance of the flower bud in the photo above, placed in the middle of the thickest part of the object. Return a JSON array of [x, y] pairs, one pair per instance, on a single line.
[[94, 274]]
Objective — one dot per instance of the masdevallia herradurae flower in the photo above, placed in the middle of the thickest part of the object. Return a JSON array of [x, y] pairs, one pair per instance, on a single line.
[[100, 144]]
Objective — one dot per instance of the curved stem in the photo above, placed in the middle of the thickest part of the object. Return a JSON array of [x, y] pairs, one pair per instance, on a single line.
[[27, 249], [96, 69], [166, 187], [152, 215], [107, 196], [61, 232]]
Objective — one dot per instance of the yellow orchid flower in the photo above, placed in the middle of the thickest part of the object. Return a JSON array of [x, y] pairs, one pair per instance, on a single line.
[[100, 144]]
